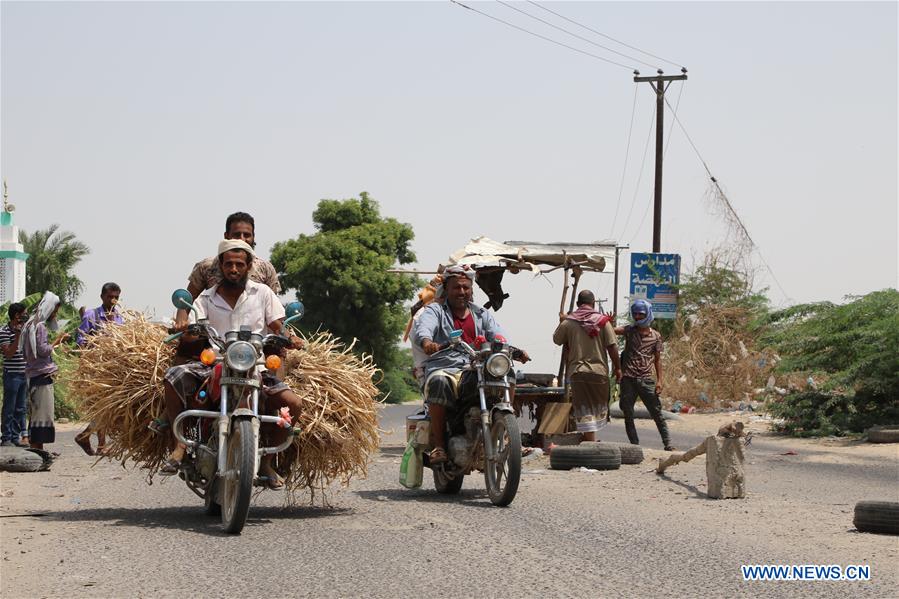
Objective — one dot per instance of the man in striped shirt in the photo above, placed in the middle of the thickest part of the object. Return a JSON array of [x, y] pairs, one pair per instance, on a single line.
[[15, 386]]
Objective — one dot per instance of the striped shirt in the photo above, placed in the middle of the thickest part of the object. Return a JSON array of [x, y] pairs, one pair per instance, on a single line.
[[15, 364]]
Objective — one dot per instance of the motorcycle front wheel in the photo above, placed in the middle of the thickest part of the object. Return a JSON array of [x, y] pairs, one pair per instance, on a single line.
[[504, 473], [237, 484]]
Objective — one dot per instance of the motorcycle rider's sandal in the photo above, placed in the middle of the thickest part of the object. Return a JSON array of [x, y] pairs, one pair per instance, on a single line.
[[437, 456]]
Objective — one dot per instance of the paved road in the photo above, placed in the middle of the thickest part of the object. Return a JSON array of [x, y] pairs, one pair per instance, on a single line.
[[78, 531]]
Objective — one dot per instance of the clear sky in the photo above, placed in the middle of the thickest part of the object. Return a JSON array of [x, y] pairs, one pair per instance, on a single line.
[[140, 126]]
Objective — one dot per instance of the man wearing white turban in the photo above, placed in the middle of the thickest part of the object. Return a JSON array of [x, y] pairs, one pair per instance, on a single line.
[[40, 368]]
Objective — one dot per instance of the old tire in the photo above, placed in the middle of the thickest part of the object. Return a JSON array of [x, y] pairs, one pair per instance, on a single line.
[[888, 433], [630, 454], [18, 459], [877, 516], [596, 456]]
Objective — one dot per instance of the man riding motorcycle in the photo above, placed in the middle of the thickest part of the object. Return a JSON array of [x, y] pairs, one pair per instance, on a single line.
[[446, 387], [229, 305]]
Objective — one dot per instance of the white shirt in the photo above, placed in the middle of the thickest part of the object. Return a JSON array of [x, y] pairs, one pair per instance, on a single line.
[[256, 307]]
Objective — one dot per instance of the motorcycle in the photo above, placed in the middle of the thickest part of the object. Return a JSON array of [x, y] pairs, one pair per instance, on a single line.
[[223, 454], [484, 438]]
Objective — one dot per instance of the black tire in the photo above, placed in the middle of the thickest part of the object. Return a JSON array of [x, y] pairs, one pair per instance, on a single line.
[[236, 493], [211, 506], [888, 433], [446, 485], [630, 454], [504, 475], [597, 456], [877, 516]]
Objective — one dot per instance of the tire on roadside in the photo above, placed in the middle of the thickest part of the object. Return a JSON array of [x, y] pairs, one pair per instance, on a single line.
[[630, 454], [888, 433], [596, 456], [877, 516]]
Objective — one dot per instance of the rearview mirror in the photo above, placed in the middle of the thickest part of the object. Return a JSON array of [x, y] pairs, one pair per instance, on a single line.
[[183, 300], [294, 311]]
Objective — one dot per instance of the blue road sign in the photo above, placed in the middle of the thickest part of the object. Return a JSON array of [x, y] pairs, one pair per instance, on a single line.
[[653, 278]]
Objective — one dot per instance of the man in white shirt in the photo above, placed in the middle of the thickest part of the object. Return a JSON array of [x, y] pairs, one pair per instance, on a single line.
[[234, 303]]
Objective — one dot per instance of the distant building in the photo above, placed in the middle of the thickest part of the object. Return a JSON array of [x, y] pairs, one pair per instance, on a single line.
[[12, 256]]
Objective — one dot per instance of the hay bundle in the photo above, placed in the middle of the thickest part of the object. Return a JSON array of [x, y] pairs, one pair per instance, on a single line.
[[339, 420], [119, 383]]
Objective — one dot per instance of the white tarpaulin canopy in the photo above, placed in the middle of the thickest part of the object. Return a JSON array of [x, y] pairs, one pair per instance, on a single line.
[[484, 252]]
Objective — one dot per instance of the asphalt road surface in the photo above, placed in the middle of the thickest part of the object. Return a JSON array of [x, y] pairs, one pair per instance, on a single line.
[[101, 531]]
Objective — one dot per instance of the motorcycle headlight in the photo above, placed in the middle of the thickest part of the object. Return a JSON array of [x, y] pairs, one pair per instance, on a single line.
[[240, 355], [498, 365]]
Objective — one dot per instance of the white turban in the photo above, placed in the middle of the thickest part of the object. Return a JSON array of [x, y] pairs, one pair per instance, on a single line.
[[226, 245], [43, 311]]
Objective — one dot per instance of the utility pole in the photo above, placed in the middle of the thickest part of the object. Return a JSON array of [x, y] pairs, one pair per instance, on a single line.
[[659, 85]]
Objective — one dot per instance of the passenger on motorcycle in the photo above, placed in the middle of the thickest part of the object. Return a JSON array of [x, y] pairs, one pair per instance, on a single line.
[[446, 387], [233, 303]]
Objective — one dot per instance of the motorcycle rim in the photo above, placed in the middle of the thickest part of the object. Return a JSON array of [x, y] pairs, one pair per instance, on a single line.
[[237, 490], [504, 473]]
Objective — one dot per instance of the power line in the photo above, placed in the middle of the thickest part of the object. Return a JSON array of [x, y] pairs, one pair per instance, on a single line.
[[729, 206], [639, 175], [604, 35], [624, 168], [558, 43], [665, 153], [563, 30]]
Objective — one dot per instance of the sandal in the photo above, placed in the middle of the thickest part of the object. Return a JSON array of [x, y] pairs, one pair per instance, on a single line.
[[84, 442], [101, 450], [438, 456], [170, 467]]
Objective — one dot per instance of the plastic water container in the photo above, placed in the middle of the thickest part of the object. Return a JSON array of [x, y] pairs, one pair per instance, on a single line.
[[419, 425]]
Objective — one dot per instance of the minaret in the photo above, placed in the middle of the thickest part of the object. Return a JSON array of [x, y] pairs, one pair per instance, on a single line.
[[12, 255]]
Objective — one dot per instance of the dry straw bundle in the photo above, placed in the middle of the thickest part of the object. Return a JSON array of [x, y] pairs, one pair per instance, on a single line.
[[119, 383], [339, 420]]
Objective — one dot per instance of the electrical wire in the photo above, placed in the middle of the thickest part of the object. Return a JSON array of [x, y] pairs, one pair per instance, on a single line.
[[640, 175], [558, 43], [664, 154], [627, 151], [584, 39], [729, 206], [608, 37]]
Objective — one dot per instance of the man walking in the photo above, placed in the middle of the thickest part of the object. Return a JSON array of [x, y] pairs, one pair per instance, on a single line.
[[642, 354], [589, 340], [15, 385]]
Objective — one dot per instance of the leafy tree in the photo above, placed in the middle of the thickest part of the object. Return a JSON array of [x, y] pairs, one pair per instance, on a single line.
[[53, 255], [340, 274], [851, 351]]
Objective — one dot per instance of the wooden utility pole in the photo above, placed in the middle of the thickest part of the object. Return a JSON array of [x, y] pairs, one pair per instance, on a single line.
[[659, 85]]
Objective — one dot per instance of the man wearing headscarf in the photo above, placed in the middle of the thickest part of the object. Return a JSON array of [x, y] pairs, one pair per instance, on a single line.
[[234, 303], [642, 354], [446, 386], [589, 340], [40, 368]]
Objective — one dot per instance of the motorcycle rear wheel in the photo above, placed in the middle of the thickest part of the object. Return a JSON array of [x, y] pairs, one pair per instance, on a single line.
[[237, 490], [212, 507], [446, 485], [504, 473]]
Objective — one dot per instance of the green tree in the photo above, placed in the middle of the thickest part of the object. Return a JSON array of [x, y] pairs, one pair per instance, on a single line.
[[53, 255], [340, 274], [850, 351]]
